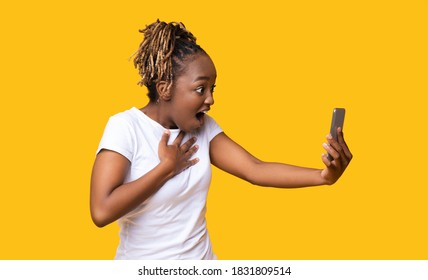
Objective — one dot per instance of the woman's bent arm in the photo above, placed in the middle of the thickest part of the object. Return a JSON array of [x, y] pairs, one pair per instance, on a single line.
[[111, 198]]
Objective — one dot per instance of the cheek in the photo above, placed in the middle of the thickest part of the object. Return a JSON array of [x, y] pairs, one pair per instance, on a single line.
[[188, 102], [181, 111]]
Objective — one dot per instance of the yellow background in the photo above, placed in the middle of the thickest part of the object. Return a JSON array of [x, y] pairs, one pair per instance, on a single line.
[[281, 69]]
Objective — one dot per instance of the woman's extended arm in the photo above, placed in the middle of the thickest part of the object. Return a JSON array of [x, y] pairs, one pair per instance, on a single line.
[[111, 198], [232, 158]]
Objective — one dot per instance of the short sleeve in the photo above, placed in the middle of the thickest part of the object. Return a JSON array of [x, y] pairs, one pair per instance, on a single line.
[[212, 128], [119, 137]]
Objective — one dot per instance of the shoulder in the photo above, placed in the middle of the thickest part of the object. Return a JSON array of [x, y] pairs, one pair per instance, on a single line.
[[129, 115], [120, 134], [121, 125], [128, 119]]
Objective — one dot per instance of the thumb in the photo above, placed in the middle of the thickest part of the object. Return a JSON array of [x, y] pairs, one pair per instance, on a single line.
[[165, 138]]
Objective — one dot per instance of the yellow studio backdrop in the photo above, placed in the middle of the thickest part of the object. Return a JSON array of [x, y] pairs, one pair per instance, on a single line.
[[282, 67]]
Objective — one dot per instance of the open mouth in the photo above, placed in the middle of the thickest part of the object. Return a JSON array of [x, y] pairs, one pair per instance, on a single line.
[[200, 115]]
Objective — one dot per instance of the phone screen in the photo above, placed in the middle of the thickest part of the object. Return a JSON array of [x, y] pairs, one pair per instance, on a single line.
[[337, 121]]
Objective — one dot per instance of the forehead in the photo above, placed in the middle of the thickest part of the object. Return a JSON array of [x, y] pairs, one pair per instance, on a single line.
[[198, 66]]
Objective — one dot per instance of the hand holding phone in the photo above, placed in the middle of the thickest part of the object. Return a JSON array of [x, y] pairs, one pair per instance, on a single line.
[[336, 121], [336, 145]]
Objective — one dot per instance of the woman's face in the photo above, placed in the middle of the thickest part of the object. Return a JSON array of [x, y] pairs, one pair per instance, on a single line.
[[192, 93]]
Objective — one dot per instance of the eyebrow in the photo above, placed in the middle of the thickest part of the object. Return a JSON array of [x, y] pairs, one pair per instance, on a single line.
[[200, 78]]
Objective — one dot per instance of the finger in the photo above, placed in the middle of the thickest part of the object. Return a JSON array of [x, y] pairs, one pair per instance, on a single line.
[[342, 142], [165, 137], [186, 146], [193, 162], [326, 160], [346, 155], [190, 163], [333, 143], [179, 138], [329, 157], [331, 151], [191, 151], [339, 149]]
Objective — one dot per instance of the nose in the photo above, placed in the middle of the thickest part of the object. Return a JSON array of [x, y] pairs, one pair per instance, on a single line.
[[209, 100]]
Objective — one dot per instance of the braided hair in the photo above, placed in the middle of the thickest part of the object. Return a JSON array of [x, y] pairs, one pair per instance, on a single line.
[[161, 55]]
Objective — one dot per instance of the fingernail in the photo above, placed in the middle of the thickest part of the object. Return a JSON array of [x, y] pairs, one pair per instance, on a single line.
[[325, 145], [329, 137], [166, 131]]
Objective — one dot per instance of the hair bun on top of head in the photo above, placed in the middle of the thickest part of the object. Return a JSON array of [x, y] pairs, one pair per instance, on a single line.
[[163, 44]]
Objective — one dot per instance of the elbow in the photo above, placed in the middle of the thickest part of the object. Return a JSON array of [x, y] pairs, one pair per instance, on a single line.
[[257, 182], [251, 175], [250, 179], [99, 223], [99, 218]]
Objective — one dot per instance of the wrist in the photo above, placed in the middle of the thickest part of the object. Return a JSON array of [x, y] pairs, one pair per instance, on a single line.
[[166, 168], [321, 178]]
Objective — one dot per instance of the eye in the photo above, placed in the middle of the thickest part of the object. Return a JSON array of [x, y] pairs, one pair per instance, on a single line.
[[212, 88], [200, 90]]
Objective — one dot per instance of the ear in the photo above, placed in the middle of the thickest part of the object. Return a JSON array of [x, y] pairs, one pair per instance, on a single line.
[[164, 90]]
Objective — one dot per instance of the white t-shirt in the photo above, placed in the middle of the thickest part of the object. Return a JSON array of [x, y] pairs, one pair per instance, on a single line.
[[171, 223]]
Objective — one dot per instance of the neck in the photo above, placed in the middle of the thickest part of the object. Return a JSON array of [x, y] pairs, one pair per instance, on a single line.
[[158, 113]]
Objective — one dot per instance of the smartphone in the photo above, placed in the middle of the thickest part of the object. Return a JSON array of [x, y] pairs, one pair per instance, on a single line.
[[337, 121]]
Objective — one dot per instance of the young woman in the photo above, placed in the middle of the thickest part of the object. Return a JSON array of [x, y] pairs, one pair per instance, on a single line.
[[153, 165]]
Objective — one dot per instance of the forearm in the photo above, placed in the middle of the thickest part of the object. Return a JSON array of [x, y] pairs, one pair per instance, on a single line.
[[281, 175], [126, 197]]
